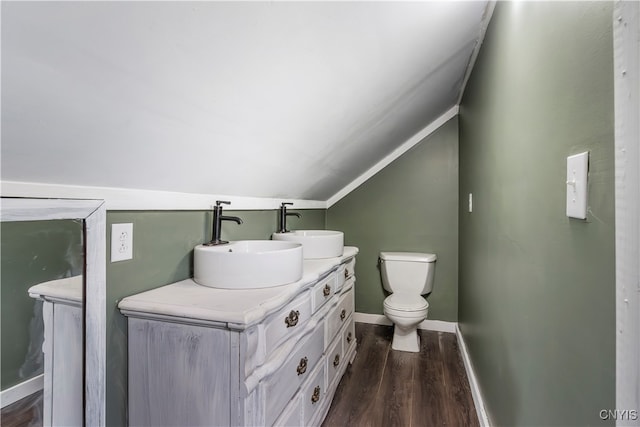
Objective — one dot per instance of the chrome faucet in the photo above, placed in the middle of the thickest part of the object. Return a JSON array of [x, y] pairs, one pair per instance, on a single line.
[[283, 217], [217, 223]]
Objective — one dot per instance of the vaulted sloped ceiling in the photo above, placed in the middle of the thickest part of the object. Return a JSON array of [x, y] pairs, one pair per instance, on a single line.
[[263, 99]]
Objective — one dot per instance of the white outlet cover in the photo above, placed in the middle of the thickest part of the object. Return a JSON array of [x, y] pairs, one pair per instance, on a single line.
[[577, 175], [121, 242]]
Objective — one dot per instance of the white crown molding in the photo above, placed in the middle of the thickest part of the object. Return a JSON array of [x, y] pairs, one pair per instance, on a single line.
[[411, 142], [486, 18], [135, 199]]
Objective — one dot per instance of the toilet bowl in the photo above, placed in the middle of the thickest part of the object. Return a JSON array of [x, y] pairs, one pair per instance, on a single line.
[[407, 275]]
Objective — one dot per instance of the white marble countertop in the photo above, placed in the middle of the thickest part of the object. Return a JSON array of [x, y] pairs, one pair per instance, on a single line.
[[234, 308], [67, 290]]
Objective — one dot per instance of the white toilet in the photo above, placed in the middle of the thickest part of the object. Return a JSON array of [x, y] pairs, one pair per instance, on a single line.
[[407, 275]]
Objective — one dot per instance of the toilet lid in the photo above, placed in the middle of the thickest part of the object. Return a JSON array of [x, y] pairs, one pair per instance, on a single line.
[[406, 302]]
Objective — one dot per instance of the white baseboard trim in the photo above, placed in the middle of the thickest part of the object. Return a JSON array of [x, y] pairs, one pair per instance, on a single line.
[[22, 390], [428, 325], [374, 319], [473, 381]]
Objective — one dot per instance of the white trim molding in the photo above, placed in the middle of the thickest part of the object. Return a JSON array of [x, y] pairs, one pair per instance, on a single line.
[[138, 199], [486, 18], [21, 390], [478, 400], [410, 143], [427, 325], [626, 61]]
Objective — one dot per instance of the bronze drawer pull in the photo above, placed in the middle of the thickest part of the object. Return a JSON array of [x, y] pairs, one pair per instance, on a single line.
[[316, 394], [349, 337], [343, 314], [336, 360], [302, 367], [326, 291], [292, 318], [346, 273]]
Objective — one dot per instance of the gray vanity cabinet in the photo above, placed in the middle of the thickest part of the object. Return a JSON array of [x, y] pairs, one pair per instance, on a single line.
[[178, 374], [62, 348], [201, 356]]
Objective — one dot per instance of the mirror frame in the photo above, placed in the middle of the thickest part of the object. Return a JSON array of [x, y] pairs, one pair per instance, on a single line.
[[94, 220]]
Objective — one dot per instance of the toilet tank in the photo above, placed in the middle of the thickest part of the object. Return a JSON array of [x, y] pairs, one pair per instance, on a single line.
[[410, 272]]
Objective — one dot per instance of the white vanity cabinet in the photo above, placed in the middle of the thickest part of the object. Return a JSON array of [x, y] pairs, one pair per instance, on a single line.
[[201, 356], [62, 348]]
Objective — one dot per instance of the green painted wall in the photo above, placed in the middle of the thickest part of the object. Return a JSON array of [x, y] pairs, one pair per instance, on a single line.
[[411, 205], [163, 244], [32, 252], [536, 303]]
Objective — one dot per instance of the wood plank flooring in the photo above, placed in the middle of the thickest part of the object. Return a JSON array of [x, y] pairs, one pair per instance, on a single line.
[[389, 388]]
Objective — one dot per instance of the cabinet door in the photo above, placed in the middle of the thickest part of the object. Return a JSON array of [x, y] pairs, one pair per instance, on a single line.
[[179, 375]]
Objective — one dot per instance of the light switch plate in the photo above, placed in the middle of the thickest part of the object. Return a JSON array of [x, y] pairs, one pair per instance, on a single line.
[[577, 176], [121, 242]]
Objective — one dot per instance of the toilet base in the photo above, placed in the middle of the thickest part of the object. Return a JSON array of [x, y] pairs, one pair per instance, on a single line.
[[405, 339]]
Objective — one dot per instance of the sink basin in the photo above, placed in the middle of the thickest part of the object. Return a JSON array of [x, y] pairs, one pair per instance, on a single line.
[[248, 264], [315, 243]]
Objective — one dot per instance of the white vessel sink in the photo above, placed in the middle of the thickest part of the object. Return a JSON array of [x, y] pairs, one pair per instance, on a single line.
[[315, 243], [248, 264]]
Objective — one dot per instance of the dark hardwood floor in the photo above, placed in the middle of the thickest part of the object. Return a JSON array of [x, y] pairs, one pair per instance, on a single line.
[[387, 388]]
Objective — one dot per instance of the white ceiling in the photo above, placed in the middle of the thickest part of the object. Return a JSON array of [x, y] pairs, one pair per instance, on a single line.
[[263, 99]]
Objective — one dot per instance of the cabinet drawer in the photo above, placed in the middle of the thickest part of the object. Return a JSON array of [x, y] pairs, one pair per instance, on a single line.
[[285, 381], [334, 359], [287, 321], [345, 272], [313, 395], [349, 268], [340, 278], [292, 414], [348, 284], [322, 291], [349, 336], [339, 316]]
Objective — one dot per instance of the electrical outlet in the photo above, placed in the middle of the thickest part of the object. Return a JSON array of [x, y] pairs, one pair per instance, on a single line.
[[121, 242]]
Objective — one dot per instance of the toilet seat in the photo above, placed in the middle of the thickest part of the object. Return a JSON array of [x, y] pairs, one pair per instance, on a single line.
[[406, 305], [406, 302]]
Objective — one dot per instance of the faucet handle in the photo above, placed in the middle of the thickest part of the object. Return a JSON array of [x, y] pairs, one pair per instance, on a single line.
[[218, 202], [284, 204]]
